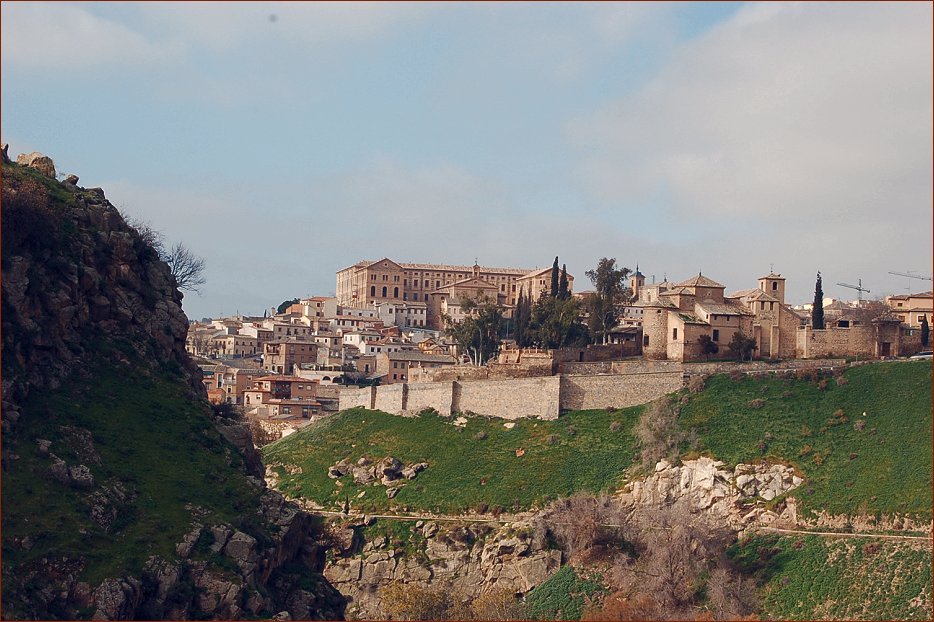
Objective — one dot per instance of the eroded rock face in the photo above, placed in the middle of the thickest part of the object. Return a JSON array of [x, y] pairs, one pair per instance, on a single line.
[[723, 493], [471, 559]]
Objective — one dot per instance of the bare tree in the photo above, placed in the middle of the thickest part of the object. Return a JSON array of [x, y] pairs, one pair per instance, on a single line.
[[186, 267]]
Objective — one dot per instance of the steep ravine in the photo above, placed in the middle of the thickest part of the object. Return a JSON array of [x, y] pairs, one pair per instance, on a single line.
[[123, 495]]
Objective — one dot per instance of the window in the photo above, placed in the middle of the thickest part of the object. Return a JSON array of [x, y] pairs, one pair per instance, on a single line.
[[415, 296], [416, 282], [771, 306], [384, 292], [774, 285], [395, 278], [373, 290], [716, 335], [674, 334], [372, 277], [395, 292], [437, 283], [645, 341]]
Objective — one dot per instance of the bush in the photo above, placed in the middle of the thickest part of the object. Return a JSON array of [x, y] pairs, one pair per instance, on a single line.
[[658, 433], [757, 403], [842, 381], [571, 430], [552, 439], [696, 384], [616, 426], [859, 425], [479, 436]]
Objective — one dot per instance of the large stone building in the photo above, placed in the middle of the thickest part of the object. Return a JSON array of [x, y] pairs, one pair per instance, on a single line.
[[371, 283], [675, 316]]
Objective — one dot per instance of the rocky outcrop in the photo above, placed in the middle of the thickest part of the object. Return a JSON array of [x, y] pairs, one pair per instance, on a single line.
[[389, 472], [36, 160], [85, 294], [75, 271], [735, 495], [470, 559]]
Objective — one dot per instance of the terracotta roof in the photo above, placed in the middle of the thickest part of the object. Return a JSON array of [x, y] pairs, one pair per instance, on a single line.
[[283, 379], [698, 281], [677, 289], [753, 294], [419, 357], [723, 308], [773, 276], [444, 267]]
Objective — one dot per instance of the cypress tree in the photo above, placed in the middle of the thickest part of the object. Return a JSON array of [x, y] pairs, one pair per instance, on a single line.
[[925, 332], [817, 309], [563, 292], [520, 319], [554, 278]]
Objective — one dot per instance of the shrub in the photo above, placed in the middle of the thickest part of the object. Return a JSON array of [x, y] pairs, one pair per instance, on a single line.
[[658, 433], [871, 548], [479, 436], [822, 384], [616, 426], [552, 439], [805, 450], [757, 403], [572, 430], [696, 384], [842, 381], [859, 425], [805, 431], [818, 459]]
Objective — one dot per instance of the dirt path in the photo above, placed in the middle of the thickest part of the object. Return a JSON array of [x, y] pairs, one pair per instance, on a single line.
[[835, 534]]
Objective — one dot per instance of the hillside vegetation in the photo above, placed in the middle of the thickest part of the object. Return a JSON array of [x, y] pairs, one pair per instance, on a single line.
[[877, 463], [470, 467]]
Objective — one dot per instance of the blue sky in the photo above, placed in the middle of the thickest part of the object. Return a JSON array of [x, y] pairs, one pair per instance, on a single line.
[[284, 141]]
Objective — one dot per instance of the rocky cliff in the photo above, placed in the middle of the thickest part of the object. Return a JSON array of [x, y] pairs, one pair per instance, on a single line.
[[124, 496]]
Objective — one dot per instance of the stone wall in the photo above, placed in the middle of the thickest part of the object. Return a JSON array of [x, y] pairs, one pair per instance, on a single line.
[[829, 342], [616, 391], [725, 367], [634, 366], [437, 395], [511, 399], [390, 398], [354, 397]]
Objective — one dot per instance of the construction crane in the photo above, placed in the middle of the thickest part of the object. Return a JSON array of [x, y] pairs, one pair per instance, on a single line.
[[859, 291], [911, 276]]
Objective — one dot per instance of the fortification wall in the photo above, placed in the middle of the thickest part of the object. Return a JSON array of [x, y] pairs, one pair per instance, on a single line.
[[725, 367], [437, 395], [390, 398], [510, 399], [354, 398], [634, 366], [617, 390], [829, 342]]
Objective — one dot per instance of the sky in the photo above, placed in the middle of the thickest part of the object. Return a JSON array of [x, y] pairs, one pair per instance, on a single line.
[[285, 141]]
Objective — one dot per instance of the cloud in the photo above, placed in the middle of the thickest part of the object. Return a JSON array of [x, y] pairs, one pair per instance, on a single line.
[[58, 36], [785, 124]]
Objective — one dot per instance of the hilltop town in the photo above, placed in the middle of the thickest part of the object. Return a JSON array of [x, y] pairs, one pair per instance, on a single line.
[[394, 323]]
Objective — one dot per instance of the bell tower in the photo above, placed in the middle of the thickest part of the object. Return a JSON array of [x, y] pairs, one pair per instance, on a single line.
[[773, 285]]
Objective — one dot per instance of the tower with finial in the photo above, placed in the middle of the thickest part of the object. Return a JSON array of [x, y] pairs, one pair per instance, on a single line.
[[773, 284], [636, 281]]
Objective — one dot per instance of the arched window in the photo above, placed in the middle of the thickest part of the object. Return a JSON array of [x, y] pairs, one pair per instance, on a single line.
[[373, 291], [384, 291], [395, 292]]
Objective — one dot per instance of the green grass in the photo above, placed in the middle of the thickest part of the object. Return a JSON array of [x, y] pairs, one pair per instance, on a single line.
[[153, 439], [818, 578], [563, 596], [464, 469], [882, 469]]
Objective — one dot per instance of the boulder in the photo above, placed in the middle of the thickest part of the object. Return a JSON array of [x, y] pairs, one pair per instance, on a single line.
[[240, 547], [40, 162], [80, 476], [43, 446], [390, 468], [363, 475], [72, 179]]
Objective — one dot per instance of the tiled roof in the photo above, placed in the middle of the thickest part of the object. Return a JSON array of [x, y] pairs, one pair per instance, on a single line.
[[419, 357], [773, 276], [445, 267], [723, 308], [753, 294], [699, 281]]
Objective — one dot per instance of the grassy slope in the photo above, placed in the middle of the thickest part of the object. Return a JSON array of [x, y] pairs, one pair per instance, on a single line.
[[885, 468], [815, 578], [586, 455], [151, 437]]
